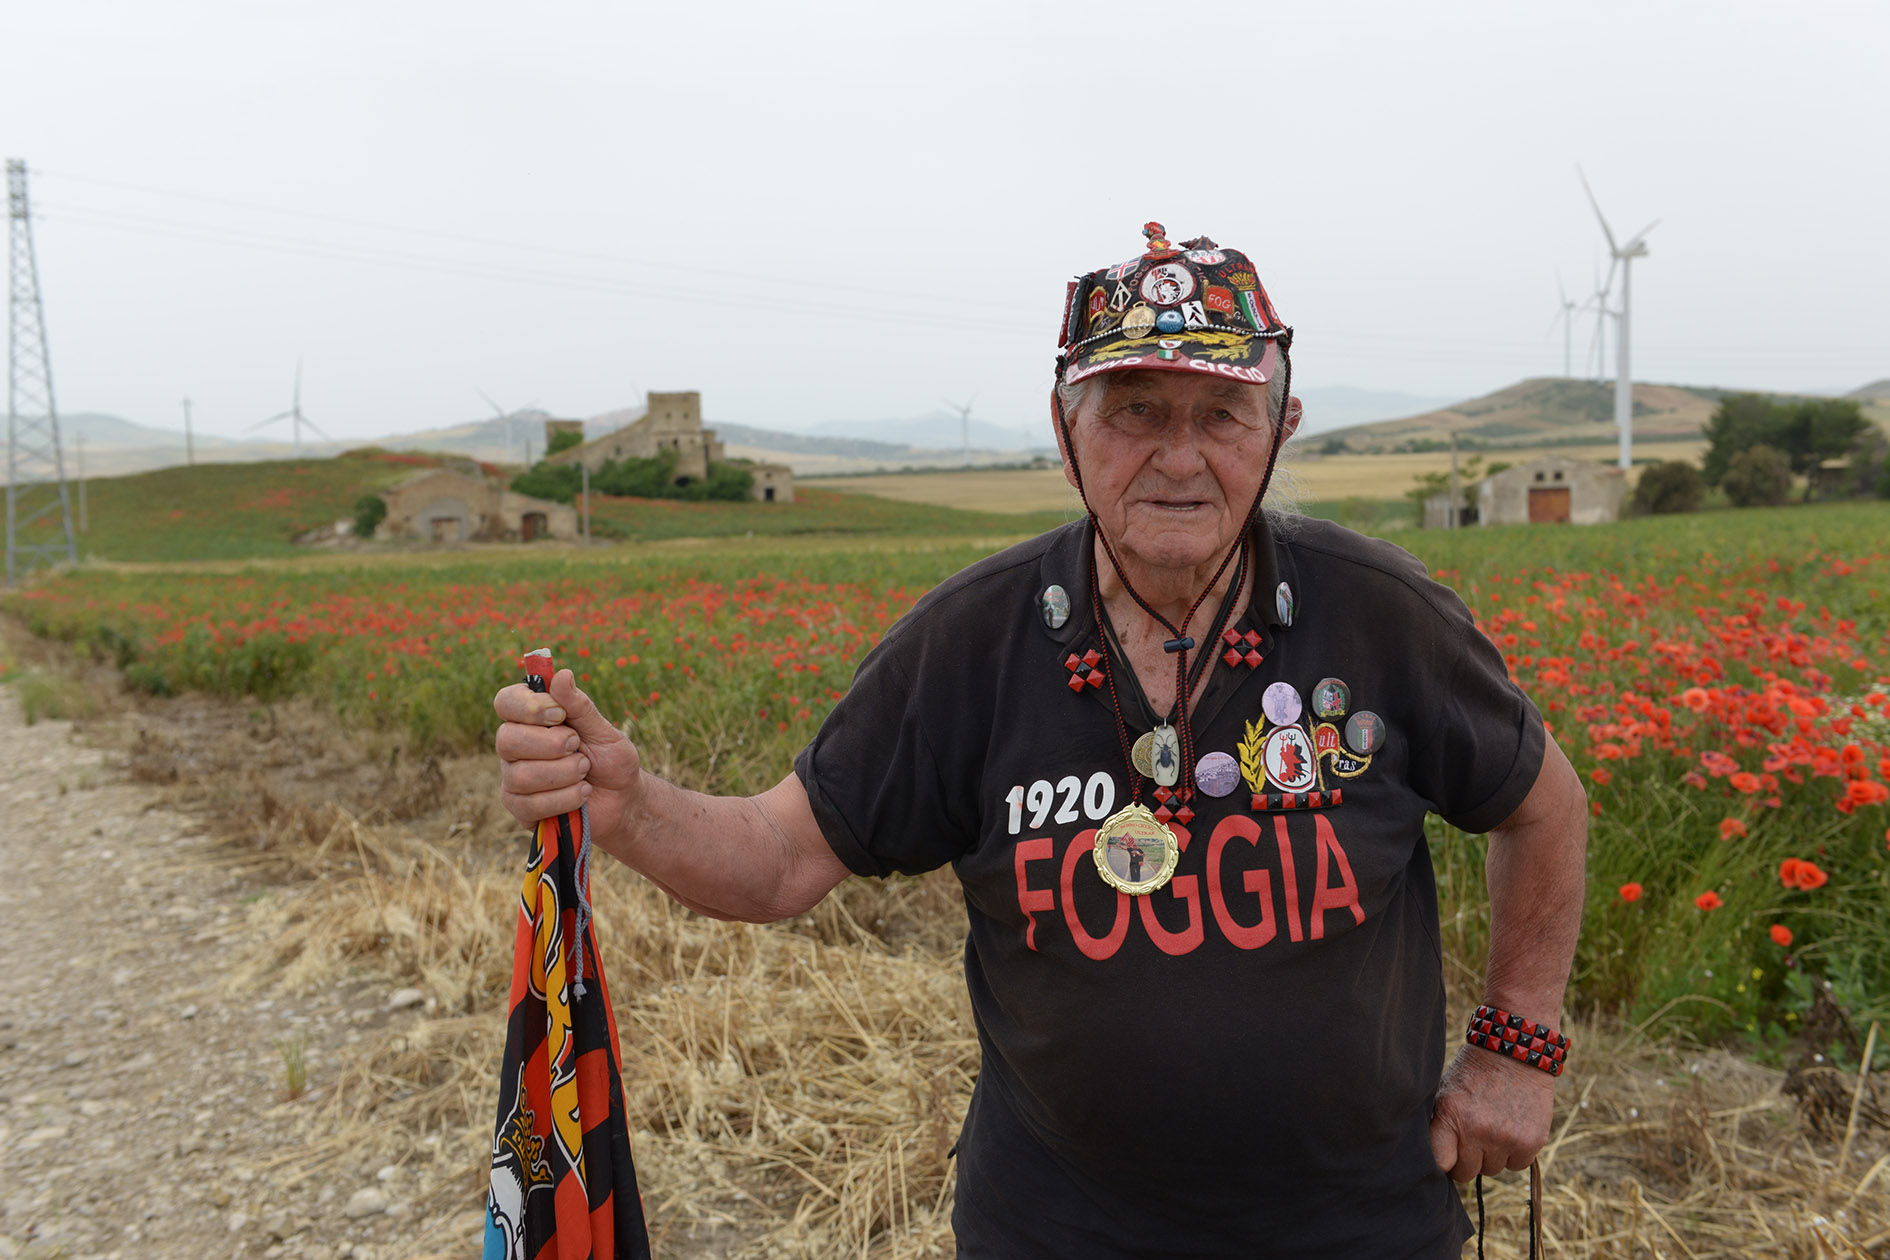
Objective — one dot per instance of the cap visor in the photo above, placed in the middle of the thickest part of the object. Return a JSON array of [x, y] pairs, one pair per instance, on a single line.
[[1232, 355]]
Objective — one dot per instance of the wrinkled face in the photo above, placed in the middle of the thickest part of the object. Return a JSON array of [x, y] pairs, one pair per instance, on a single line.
[[1171, 462]]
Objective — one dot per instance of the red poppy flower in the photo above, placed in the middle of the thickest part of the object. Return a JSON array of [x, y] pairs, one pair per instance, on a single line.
[[1781, 935], [1730, 827], [1746, 781], [1600, 775], [1800, 874], [1630, 892], [1708, 900]]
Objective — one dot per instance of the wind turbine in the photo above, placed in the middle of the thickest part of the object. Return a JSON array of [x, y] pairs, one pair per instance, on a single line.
[[1624, 256], [964, 418], [1565, 316], [1597, 340], [294, 415], [508, 418]]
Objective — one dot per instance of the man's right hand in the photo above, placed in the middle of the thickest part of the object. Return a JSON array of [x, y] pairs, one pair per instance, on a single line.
[[557, 752], [755, 858]]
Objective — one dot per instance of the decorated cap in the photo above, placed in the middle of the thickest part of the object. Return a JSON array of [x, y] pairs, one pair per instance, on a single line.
[[1192, 307]]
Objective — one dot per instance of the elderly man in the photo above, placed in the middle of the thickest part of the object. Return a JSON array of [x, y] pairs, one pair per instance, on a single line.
[[1263, 712]]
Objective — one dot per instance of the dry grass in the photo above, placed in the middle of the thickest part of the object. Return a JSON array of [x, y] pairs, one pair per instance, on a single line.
[[793, 1089], [1322, 478]]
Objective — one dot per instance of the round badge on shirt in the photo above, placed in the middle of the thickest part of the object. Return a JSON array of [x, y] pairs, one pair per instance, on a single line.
[[1281, 704], [1365, 732]]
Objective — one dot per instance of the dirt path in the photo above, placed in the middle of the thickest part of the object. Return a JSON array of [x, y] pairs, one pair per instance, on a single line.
[[142, 1097]]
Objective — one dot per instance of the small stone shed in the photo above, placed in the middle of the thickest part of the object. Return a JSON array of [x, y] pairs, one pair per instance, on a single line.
[[1551, 489], [443, 506]]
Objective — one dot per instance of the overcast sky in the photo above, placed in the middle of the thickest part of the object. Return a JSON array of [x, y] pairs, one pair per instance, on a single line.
[[853, 211]]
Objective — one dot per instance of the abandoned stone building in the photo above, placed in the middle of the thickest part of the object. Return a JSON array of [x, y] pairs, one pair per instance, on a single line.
[[1552, 489], [443, 506], [673, 422]]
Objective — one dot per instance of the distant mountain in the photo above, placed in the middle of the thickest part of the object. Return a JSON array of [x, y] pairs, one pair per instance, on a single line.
[[807, 444], [1340, 406], [1876, 391], [936, 430]]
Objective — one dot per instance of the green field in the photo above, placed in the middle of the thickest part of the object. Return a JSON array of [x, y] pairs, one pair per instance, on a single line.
[[257, 511], [1720, 681]]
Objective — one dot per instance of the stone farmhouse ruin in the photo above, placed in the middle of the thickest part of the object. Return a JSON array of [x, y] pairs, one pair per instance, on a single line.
[[673, 422], [444, 506]]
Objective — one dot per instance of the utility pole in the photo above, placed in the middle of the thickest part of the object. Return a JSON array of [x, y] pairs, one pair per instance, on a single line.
[[78, 449], [1450, 522], [190, 453], [36, 468]]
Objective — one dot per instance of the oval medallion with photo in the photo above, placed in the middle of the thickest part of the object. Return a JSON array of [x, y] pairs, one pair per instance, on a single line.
[[1168, 285], [1291, 766]]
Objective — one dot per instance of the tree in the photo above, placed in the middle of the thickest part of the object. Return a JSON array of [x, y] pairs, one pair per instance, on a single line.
[[550, 481], [1739, 422], [369, 511], [563, 440], [1675, 486], [1759, 476], [1818, 429]]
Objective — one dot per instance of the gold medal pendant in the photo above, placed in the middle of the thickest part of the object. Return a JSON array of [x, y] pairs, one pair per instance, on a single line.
[[1135, 851]]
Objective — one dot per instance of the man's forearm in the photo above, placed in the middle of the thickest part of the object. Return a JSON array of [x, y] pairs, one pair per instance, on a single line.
[[1535, 866], [729, 857]]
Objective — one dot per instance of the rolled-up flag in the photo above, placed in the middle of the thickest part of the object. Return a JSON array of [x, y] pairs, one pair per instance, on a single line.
[[563, 1184]]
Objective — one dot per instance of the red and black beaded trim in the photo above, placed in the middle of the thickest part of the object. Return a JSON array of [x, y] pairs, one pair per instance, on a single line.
[[1527, 1042]]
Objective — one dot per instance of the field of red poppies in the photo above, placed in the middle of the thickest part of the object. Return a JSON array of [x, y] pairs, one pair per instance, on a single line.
[[1722, 682]]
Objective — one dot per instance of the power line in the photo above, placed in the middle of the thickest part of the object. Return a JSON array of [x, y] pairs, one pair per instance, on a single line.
[[694, 270], [86, 216]]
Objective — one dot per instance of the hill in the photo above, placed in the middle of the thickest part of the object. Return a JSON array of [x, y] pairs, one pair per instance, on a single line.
[[1544, 410]]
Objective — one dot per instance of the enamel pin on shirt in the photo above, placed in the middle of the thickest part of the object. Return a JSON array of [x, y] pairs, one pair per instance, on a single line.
[[1135, 852]]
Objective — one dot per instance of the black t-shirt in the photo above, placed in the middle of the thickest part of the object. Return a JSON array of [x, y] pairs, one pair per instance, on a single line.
[[1242, 1063]]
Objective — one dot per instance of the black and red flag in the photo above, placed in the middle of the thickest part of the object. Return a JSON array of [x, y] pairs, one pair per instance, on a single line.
[[563, 1183]]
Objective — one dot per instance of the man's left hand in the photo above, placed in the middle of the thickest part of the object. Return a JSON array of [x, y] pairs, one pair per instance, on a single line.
[[1492, 1114]]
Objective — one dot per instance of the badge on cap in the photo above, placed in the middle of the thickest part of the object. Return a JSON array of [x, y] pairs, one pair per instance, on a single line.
[[1365, 732], [1283, 603], [1281, 704], [1055, 603], [1170, 322], [1331, 698], [1217, 774], [1138, 322], [1158, 246], [1168, 284], [1135, 852]]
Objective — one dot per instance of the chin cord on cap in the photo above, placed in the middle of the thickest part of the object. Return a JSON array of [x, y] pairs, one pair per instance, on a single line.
[[1179, 640]]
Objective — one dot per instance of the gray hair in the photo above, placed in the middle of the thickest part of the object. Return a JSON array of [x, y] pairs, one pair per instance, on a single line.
[[1283, 491]]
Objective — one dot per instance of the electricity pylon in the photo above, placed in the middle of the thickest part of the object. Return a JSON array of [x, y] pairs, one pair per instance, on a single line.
[[36, 469]]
